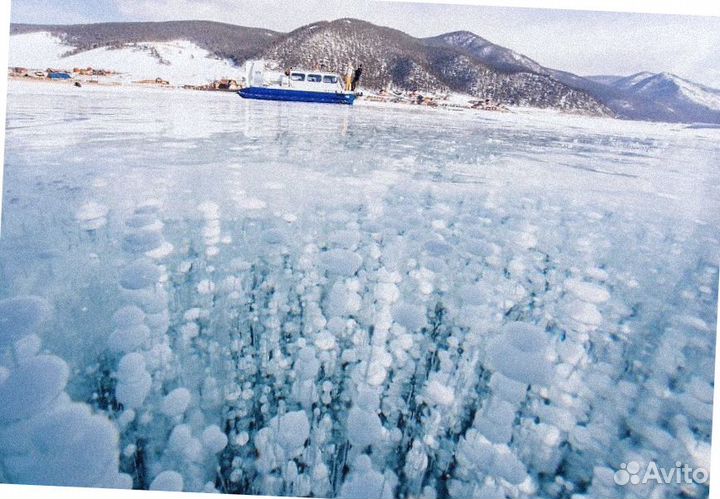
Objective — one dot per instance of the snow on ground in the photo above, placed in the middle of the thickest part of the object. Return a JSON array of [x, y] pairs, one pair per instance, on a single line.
[[179, 62], [215, 294]]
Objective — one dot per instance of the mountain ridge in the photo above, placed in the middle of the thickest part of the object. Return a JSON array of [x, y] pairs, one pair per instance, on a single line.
[[392, 58], [616, 92]]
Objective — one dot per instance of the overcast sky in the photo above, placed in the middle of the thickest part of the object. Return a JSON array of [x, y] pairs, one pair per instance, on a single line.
[[581, 42]]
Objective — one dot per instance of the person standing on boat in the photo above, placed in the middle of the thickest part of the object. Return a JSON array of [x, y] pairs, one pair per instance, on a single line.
[[285, 78], [356, 77], [348, 77]]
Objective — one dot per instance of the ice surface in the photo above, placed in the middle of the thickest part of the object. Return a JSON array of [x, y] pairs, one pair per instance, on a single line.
[[92, 216], [587, 291], [91, 211], [585, 313], [354, 302]]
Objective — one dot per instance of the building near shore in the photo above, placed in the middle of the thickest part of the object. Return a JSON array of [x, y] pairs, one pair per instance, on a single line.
[[58, 75], [90, 71], [18, 71], [156, 81], [225, 84]]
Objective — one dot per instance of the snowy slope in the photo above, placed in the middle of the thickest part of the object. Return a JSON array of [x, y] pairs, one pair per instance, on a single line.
[[643, 95], [179, 62], [489, 53], [674, 98], [626, 82], [664, 86]]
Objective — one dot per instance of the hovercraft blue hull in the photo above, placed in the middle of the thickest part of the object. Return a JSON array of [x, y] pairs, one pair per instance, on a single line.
[[281, 94]]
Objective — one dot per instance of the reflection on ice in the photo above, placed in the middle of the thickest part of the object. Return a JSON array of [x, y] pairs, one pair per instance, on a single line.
[[269, 298]]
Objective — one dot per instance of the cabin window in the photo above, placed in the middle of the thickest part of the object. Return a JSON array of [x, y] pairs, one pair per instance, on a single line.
[[330, 79], [314, 78], [297, 77]]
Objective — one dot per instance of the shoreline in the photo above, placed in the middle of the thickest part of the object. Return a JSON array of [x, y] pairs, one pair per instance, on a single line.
[[532, 113], [369, 100]]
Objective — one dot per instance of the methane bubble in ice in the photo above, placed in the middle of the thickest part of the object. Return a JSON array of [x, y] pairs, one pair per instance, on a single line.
[[176, 402], [169, 481], [341, 262], [214, 439], [129, 315], [20, 316], [133, 381], [31, 386], [520, 353], [142, 240], [139, 275], [129, 338]]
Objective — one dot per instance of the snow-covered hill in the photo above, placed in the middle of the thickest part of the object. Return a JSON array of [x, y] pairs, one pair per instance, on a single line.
[[677, 98], [643, 95], [227, 41], [498, 57], [664, 86], [180, 62], [395, 59], [627, 82]]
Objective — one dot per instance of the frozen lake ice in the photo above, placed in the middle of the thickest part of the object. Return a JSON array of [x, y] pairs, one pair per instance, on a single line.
[[295, 299]]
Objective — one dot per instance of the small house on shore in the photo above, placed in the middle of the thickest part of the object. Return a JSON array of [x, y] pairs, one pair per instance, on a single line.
[[156, 81], [58, 75], [90, 71], [18, 71]]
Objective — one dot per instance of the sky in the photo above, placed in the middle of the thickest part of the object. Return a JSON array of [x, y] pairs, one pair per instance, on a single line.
[[586, 43]]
